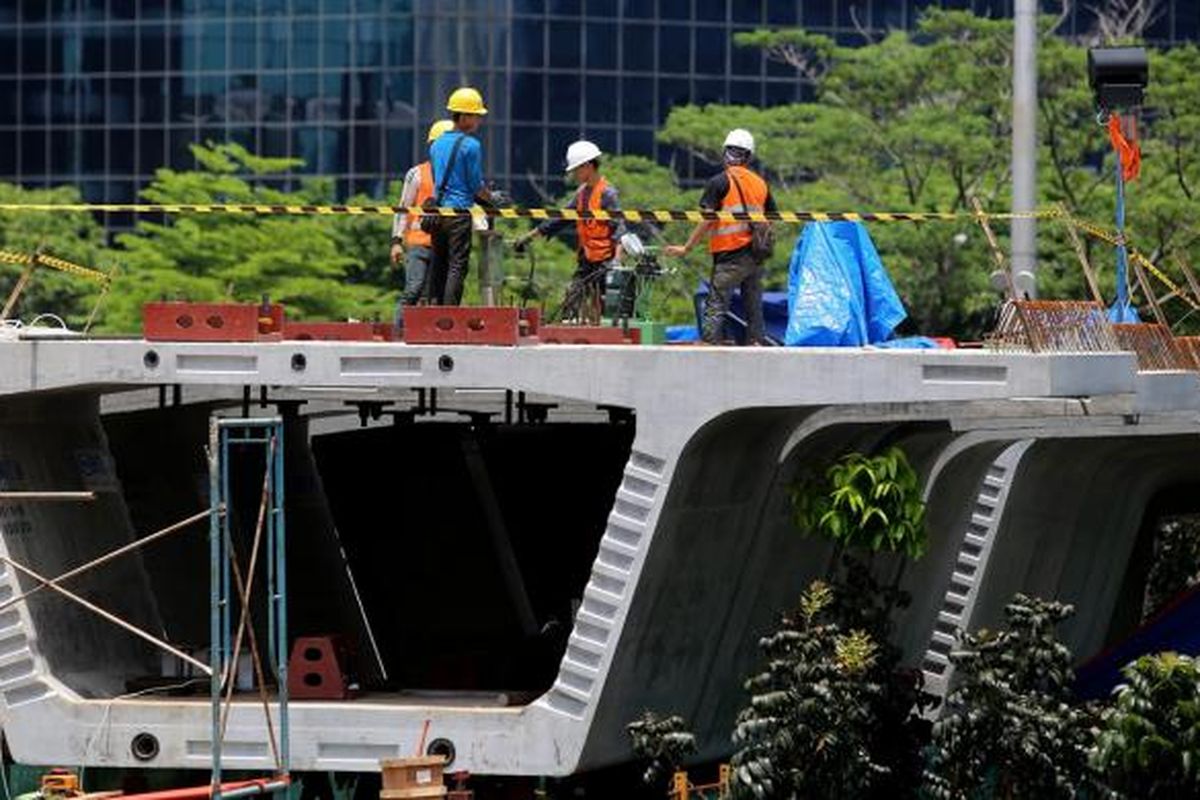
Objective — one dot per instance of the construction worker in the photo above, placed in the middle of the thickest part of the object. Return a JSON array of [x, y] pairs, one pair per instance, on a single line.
[[735, 188], [457, 175], [406, 229], [598, 241]]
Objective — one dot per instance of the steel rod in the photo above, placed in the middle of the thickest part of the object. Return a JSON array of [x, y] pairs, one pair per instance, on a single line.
[[44, 497], [249, 791], [240, 585], [244, 593], [104, 559], [113, 618], [215, 540]]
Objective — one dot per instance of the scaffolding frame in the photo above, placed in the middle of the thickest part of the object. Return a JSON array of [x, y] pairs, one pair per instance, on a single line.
[[230, 438]]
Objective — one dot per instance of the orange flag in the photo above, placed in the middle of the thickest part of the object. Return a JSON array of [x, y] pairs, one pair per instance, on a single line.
[[1128, 150]]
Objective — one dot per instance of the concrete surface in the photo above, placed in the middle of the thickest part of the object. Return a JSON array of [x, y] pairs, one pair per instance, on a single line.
[[699, 557]]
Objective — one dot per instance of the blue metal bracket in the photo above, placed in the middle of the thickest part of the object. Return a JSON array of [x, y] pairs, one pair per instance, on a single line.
[[229, 439]]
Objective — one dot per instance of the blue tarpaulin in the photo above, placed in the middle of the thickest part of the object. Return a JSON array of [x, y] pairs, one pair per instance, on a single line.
[[1172, 628], [839, 293]]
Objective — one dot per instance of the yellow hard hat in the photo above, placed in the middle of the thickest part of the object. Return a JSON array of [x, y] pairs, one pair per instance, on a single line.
[[438, 128], [466, 101]]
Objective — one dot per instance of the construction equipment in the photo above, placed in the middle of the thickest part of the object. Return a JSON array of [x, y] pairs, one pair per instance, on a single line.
[[1053, 326]]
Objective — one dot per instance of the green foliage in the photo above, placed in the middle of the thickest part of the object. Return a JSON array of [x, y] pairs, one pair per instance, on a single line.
[[828, 716], [317, 268], [1011, 727], [1176, 561], [922, 121], [873, 502], [1149, 741], [662, 742], [806, 731], [74, 236]]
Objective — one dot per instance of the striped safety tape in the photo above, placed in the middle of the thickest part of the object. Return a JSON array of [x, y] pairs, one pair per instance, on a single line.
[[1111, 237], [24, 259], [630, 215]]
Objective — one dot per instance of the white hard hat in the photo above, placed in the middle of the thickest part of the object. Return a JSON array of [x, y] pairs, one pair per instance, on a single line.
[[740, 137], [580, 153]]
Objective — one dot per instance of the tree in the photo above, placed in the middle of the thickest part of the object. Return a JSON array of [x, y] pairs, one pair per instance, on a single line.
[[318, 269], [1149, 740], [74, 236], [921, 121], [808, 728], [1012, 727]]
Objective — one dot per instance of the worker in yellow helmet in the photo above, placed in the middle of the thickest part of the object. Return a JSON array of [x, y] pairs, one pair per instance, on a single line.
[[457, 159], [409, 243]]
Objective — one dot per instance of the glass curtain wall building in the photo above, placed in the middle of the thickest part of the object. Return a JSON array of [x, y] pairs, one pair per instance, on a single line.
[[100, 93]]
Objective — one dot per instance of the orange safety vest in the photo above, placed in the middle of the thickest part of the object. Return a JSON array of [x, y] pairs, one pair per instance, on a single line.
[[415, 237], [595, 235], [728, 236]]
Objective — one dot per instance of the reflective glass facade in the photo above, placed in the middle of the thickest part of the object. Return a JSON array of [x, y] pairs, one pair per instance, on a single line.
[[100, 93]]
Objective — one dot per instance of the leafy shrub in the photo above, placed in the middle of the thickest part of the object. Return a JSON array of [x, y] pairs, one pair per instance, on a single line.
[[873, 502], [1148, 745]]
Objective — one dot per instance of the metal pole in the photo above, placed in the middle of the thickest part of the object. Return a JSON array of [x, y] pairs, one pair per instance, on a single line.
[[100, 612], [215, 531], [1024, 141], [47, 497], [279, 521], [1122, 309]]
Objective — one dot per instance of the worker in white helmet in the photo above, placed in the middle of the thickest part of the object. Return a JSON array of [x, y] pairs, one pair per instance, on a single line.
[[598, 241], [735, 262]]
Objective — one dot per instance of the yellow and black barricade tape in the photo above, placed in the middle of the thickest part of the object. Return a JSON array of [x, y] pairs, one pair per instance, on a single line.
[[1112, 238], [630, 215], [62, 265]]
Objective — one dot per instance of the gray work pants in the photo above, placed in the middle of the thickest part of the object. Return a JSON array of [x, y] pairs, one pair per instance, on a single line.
[[416, 270], [742, 271]]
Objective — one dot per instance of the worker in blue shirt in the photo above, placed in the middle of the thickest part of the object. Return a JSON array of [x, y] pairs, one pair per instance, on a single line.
[[457, 159]]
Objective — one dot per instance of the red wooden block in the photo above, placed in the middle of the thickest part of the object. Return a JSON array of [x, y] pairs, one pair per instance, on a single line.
[[210, 322], [582, 334], [316, 671], [337, 331], [456, 325]]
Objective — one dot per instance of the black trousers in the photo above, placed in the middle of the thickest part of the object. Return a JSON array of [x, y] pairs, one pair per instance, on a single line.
[[451, 259], [586, 284]]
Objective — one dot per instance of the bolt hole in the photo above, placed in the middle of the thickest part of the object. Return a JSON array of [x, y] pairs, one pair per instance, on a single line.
[[312, 654], [313, 679], [445, 363], [150, 359], [442, 747], [215, 321], [144, 746], [299, 362], [444, 323], [184, 320], [475, 324]]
